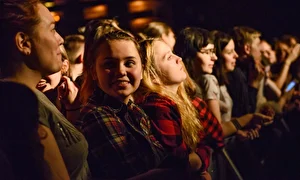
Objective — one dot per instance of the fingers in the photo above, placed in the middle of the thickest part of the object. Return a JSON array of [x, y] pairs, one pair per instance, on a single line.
[[252, 134], [262, 119], [258, 127], [67, 80], [61, 90]]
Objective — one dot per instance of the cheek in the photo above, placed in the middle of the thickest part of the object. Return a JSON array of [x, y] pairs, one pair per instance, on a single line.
[[135, 73], [205, 61]]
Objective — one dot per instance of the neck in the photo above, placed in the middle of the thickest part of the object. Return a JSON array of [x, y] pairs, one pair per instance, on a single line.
[[173, 88], [26, 76], [126, 99], [75, 70]]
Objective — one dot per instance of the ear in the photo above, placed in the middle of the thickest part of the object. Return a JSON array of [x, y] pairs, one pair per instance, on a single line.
[[247, 48], [65, 66], [23, 43]]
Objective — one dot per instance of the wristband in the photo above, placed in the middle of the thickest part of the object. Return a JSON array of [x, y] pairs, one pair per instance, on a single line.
[[236, 124]]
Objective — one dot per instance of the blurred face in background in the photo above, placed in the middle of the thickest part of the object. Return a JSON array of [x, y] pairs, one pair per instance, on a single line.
[[254, 49], [229, 55], [169, 39], [282, 51], [268, 54], [205, 59]]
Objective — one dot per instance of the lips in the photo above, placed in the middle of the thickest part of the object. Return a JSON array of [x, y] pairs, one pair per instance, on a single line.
[[120, 82]]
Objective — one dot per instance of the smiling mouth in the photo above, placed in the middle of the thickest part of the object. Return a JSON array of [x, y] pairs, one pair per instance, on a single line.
[[121, 82]]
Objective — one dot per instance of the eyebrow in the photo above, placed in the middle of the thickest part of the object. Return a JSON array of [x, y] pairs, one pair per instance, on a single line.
[[166, 54], [126, 58]]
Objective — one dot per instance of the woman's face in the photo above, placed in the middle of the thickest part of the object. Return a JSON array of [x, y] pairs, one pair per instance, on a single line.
[[118, 68], [205, 59], [46, 44], [170, 66], [229, 55], [268, 54]]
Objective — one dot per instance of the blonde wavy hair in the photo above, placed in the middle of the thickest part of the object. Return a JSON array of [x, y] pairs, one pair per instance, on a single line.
[[152, 82]]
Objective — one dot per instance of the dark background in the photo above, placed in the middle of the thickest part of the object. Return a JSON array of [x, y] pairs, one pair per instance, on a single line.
[[271, 17]]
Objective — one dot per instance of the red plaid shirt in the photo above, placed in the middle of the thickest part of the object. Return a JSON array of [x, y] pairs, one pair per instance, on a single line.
[[167, 127], [213, 133]]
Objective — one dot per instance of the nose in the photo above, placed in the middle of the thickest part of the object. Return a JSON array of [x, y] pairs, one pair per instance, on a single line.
[[214, 57], [236, 55], [60, 39], [121, 70], [178, 59]]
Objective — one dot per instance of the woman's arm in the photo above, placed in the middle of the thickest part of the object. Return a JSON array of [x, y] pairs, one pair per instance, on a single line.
[[230, 127], [273, 87], [214, 106], [52, 154]]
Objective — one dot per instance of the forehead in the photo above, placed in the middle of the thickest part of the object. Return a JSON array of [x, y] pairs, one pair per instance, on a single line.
[[255, 40], [160, 47], [265, 45], [209, 46], [44, 15], [230, 45], [118, 49]]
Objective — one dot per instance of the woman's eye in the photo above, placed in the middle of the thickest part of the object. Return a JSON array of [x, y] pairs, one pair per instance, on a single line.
[[129, 63], [108, 65]]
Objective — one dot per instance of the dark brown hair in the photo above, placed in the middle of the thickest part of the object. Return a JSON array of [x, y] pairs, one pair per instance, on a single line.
[[221, 40], [190, 41]]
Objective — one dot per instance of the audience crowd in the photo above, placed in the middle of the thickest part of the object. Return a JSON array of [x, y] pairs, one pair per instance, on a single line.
[[156, 104]]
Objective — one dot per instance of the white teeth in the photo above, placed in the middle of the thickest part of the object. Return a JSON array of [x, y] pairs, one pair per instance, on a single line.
[[122, 82]]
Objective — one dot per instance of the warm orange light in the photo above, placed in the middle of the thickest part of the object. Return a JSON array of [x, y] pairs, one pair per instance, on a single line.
[[95, 12], [139, 23], [56, 18], [49, 4], [140, 6], [56, 15]]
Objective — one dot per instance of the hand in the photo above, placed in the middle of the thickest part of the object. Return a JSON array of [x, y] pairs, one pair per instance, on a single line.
[[251, 134], [195, 161], [68, 93], [294, 54], [267, 110], [205, 175], [260, 119], [43, 86]]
